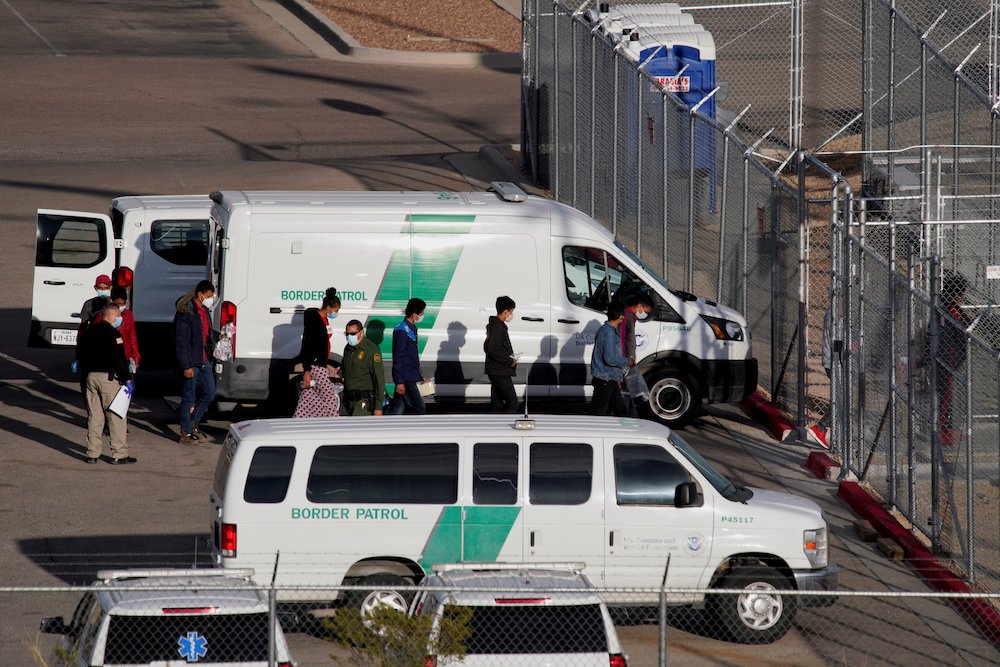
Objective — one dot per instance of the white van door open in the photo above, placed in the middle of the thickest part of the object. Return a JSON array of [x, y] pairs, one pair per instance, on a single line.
[[71, 250]]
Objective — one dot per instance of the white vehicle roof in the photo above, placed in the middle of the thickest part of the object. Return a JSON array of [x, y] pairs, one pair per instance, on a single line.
[[527, 582], [292, 430], [153, 202], [198, 589]]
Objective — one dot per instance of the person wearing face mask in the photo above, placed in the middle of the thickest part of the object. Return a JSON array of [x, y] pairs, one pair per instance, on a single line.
[[119, 297], [406, 362], [90, 309], [364, 378], [501, 364], [192, 345], [319, 397], [104, 367], [638, 308]]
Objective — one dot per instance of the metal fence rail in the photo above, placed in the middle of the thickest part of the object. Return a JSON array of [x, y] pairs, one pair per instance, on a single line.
[[647, 626]]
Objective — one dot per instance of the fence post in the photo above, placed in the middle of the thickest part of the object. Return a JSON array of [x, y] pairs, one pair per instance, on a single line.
[[593, 121], [970, 496], [800, 391], [662, 640], [795, 115], [862, 277], [893, 363], [834, 437], [666, 180], [555, 146], [775, 348], [866, 76], [690, 231], [911, 370], [745, 249], [933, 327], [846, 343], [614, 148], [574, 28], [891, 124], [638, 164]]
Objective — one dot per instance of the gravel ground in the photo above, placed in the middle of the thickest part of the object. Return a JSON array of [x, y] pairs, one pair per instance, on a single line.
[[474, 26]]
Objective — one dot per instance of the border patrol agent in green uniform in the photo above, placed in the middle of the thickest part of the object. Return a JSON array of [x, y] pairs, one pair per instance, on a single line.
[[364, 383]]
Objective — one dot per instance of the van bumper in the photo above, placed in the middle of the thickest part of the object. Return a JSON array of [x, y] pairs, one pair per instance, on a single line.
[[824, 579], [730, 381]]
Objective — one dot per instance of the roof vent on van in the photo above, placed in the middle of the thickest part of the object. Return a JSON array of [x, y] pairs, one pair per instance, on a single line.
[[508, 191]]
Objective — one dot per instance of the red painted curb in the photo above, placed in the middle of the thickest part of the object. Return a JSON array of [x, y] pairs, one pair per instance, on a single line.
[[772, 418], [819, 462], [980, 614]]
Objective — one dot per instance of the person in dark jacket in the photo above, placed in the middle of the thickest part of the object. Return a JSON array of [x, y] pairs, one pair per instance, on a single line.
[[104, 367], [406, 361], [364, 377], [501, 364], [952, 326], [192, 338], [319, 397], [608, 365]]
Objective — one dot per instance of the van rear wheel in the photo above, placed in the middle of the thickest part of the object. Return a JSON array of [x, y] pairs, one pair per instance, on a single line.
[[384, 593], [674, 398]]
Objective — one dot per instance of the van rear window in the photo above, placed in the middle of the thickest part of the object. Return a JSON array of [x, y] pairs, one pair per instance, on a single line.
[[66, 241], [181, 242], [414, 473], [511, 629], [269, 475]]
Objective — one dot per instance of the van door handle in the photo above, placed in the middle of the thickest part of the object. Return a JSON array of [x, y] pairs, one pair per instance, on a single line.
[[611, 538], [533, 319], [531, 539], [563, 321], [54, 282]]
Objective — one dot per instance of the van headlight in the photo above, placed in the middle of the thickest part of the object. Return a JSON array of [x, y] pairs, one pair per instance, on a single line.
[[815, 546], [724, 329]]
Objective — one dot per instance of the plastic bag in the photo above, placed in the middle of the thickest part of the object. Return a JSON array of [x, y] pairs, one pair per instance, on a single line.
[[223, 350], [635, 384]]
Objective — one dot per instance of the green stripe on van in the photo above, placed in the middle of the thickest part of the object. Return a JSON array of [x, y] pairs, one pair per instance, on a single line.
[[426, 271], [486, 530]]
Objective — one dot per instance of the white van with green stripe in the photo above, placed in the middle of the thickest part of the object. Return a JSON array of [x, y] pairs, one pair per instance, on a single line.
[[274, 253], [380, 501]]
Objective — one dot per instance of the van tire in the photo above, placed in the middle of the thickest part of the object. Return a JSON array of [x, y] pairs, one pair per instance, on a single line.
[[674, 398], [387, 594], [761, 615]]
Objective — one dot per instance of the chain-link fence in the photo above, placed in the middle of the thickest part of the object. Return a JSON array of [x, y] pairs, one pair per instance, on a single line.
[[760, 620]]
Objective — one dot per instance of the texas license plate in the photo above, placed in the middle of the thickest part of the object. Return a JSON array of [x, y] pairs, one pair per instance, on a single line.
[[64, 337]]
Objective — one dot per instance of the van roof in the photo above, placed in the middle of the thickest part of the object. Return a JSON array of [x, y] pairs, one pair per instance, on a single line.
[[229, 595], [407, 426], [128, 202], [527, 586]]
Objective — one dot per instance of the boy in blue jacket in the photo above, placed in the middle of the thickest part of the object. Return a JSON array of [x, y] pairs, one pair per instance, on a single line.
[[608, 365], [406, 363]]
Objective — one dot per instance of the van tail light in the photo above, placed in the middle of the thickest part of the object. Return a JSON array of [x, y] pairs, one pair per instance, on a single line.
[[520, 600], [430, 661], [617, 660], [228, 316], [122, 277], [284, 664], [190, 610], [227, 542]]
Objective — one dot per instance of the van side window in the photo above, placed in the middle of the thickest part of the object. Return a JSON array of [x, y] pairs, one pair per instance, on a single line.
[[269, 475], [65, 241], [594, 277], [407, 473], [646, 475], [560, 473], [181, 242], [494, 473]]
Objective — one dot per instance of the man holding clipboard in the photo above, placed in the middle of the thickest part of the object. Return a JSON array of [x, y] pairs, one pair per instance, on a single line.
[[105, 372]]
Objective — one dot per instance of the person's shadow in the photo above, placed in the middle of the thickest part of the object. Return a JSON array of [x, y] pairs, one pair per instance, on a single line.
[[543, 372], [449, 369], [573, 368]]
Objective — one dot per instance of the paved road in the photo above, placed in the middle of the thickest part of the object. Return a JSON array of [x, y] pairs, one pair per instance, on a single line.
[[131, 98]]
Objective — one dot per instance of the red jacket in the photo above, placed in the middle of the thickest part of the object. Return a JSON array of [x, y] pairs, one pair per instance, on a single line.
[[127, 330]]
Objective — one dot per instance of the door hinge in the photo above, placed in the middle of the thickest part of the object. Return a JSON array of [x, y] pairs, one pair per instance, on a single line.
[[225, 244], [119, 244]]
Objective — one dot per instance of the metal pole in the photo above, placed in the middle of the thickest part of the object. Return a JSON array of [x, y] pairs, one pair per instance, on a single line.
[[795, 99], [638, 165], [662, 640], [911, 371], [970, 505], [892, 361], [800, 392], [834, 438], [775, 349], [866, 77], [664, 189], [690, 231], [722, 214], [956, 131], [535, 121], [847, 356], [891, 125], [862, 276], [593, 121], [744, 249], [933, 327], [614, 149], [555, 142], [574, 29]]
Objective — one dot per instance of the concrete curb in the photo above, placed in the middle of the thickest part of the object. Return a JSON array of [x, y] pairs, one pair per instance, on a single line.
[[348, 46], [978, 612], [773, 420], [821, 465]]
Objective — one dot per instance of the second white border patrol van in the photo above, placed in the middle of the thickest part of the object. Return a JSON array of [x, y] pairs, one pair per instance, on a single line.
[[379, 501], [275, 253]]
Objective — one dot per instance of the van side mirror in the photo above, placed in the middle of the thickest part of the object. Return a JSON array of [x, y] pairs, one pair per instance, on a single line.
[[53, 626], [686, 494]]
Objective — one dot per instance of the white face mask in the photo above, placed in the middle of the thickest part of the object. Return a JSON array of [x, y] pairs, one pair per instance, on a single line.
[[640, 315], [208, 302], [352, 340], [418, 319]]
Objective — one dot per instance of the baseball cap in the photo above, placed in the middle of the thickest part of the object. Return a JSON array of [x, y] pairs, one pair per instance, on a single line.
[[102, 279]]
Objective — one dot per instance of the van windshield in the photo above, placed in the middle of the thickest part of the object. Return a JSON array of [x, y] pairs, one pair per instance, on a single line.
[[650, 271], [721, 483]]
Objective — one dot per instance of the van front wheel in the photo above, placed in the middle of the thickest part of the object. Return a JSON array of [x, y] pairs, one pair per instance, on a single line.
[[674, 398], [384, 593], [760, 614]]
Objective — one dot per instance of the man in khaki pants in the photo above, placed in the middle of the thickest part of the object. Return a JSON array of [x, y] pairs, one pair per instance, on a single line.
[[104, 368]]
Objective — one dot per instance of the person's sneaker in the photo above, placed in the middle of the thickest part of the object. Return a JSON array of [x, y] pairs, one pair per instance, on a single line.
[[817, 435], [187, 439], [198, 435], [122, 461], [92, 459]]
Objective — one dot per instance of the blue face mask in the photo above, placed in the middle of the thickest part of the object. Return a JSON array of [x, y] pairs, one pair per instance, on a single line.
[[118, 322], [352, 340], [104, 292], [331, 316]]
